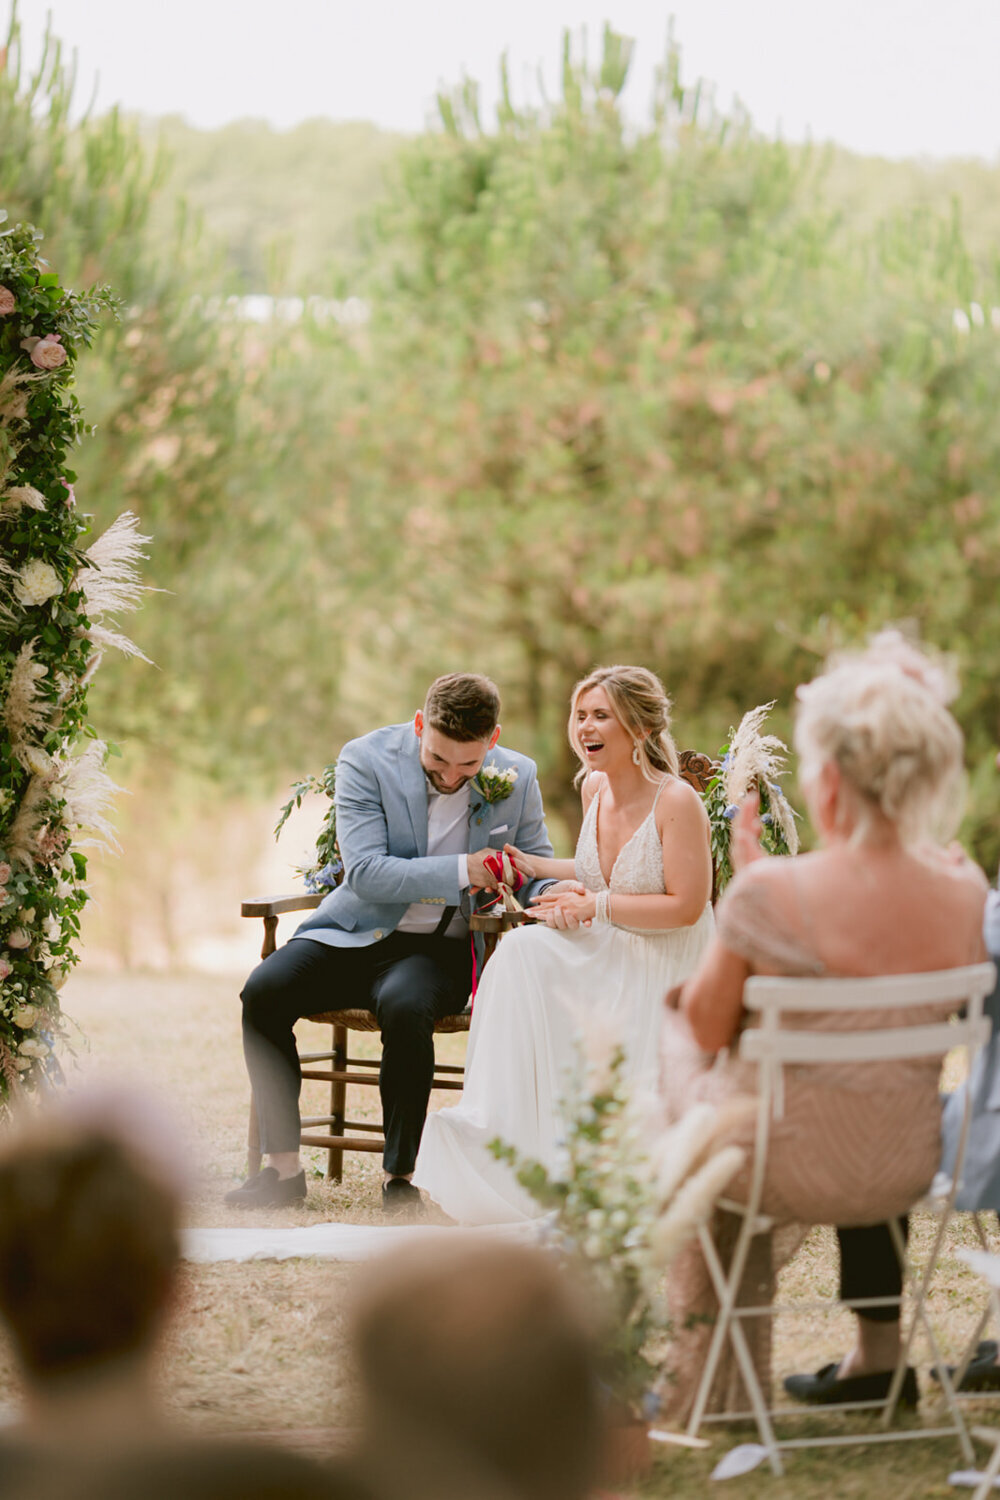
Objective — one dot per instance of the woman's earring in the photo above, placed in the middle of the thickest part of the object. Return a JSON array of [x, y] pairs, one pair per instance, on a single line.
[[636, 753]]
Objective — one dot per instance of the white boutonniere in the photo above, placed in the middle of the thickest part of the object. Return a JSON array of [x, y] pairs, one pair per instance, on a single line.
[[495, 784]]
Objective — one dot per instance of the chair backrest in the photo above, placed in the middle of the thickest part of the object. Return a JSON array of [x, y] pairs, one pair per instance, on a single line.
[[771, 1045], [775, 996], [697, 769]]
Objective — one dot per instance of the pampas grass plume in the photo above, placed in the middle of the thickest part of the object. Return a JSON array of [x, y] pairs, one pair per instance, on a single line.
[[693, 1203]]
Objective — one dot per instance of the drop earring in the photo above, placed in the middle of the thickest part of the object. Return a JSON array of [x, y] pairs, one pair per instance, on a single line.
[[636, 753]]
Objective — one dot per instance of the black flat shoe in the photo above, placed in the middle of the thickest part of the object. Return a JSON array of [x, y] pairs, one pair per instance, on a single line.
[[401, 1200], [267, 1190], [826, 1389], [983, 1373]]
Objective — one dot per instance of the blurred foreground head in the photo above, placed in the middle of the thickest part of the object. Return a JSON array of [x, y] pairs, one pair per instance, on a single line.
[[478, 1375], [89, 1234]]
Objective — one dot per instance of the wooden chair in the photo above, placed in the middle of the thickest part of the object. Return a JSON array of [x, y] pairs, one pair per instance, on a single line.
[[336, 1067]]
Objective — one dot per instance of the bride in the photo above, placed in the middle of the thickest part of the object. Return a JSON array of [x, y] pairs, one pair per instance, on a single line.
[[624, 922]]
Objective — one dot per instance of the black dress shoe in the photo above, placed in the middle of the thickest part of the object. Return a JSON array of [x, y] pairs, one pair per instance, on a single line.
[[401, 1200], [983, 1373], [267, 1190], [825, 1388]]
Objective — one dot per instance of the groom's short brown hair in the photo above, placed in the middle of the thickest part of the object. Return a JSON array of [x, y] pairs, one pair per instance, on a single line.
[[463, 706]]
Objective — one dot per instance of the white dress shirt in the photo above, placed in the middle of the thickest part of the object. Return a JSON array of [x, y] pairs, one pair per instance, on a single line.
[[447, 833]]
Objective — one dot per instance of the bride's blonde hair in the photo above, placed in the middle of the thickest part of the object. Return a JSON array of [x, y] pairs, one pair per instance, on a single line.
[[641, 706], [880, 715]]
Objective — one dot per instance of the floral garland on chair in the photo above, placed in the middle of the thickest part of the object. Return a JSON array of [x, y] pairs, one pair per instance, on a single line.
[[749, 760], [326, 869], [58, 606]]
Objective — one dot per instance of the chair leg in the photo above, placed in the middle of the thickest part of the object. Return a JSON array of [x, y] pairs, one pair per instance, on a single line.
[[920, 1316], [338, 1104], [985, 1487], [727, 1323], [254, 1157]]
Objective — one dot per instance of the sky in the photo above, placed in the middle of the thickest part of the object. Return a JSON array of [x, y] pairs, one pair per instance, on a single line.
[[888, 77]]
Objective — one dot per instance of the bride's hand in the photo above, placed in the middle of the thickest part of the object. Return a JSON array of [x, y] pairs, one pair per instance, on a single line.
[[521, 862], [566, 908]]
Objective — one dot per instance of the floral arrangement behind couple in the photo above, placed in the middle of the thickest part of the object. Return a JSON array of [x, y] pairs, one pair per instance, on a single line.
[[624, 922]]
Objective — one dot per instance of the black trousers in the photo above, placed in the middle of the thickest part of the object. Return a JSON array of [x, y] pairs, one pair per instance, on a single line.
[[869, 1267], [407, 980]]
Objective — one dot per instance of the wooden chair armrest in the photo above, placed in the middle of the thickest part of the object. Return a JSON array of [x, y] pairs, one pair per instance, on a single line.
[[274, 906]]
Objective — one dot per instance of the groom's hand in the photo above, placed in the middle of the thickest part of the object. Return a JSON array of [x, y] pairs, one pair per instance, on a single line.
[[481, 877]]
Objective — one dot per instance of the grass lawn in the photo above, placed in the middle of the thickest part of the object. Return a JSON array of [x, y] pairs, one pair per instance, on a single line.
[[259, 1347]]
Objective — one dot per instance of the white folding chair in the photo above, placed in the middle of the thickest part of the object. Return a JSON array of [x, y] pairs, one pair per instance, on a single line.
[[772, 1046], [988, 1266]]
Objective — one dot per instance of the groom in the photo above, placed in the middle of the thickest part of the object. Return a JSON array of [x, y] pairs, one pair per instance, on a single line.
[[415, 828]]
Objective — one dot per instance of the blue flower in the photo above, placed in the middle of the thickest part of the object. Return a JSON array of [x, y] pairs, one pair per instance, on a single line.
[[320, 881], [651, 1405], [726, 762], [730, 811], [767, 820]]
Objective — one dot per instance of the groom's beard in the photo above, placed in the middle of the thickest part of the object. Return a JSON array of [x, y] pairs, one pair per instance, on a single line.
[[445, 791]]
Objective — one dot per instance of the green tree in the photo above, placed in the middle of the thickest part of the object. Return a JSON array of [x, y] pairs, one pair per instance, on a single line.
[[638, 395]]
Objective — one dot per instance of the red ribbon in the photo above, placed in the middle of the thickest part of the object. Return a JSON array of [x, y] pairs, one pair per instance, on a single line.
[[494, 863]]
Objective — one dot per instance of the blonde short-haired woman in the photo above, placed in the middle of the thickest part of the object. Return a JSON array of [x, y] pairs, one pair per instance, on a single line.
[[625, 920], [880, 769]]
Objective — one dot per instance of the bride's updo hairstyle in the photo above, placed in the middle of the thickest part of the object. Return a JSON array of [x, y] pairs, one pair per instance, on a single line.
[[641, 706], [881, 716]]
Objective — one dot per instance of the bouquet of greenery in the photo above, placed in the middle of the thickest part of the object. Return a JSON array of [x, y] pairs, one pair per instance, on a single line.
[[326, 869], [750, 760], [623, 1204]]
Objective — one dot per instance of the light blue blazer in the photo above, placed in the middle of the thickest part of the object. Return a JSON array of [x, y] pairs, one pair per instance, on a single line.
[[980, 1185], [381, 801]]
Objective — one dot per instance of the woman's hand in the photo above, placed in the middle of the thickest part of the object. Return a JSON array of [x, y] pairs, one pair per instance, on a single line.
[[568, 906], [747, 830], [522, 862]]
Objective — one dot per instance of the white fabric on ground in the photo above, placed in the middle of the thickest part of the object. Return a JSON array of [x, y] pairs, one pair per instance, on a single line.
[[346, 1242]]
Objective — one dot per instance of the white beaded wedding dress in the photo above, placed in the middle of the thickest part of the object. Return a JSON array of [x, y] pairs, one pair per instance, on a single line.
[[538, 992]]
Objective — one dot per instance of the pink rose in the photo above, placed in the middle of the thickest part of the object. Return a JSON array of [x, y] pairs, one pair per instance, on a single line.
[[4, 873], [48, 353], [70, 492], [8, 302], [5, 969]]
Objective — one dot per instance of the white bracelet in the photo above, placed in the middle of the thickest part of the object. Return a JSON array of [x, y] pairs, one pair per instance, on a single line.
[[602, 906]]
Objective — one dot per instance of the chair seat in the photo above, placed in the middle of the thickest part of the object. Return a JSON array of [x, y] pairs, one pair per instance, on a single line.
[[364, 1020]]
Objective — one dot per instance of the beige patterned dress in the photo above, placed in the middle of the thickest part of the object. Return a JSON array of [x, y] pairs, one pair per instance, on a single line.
[[837, 1155]]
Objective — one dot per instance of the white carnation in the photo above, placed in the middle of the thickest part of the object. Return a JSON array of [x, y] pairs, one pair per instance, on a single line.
[[25, 1016], [32, 1048], [37, 582]]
